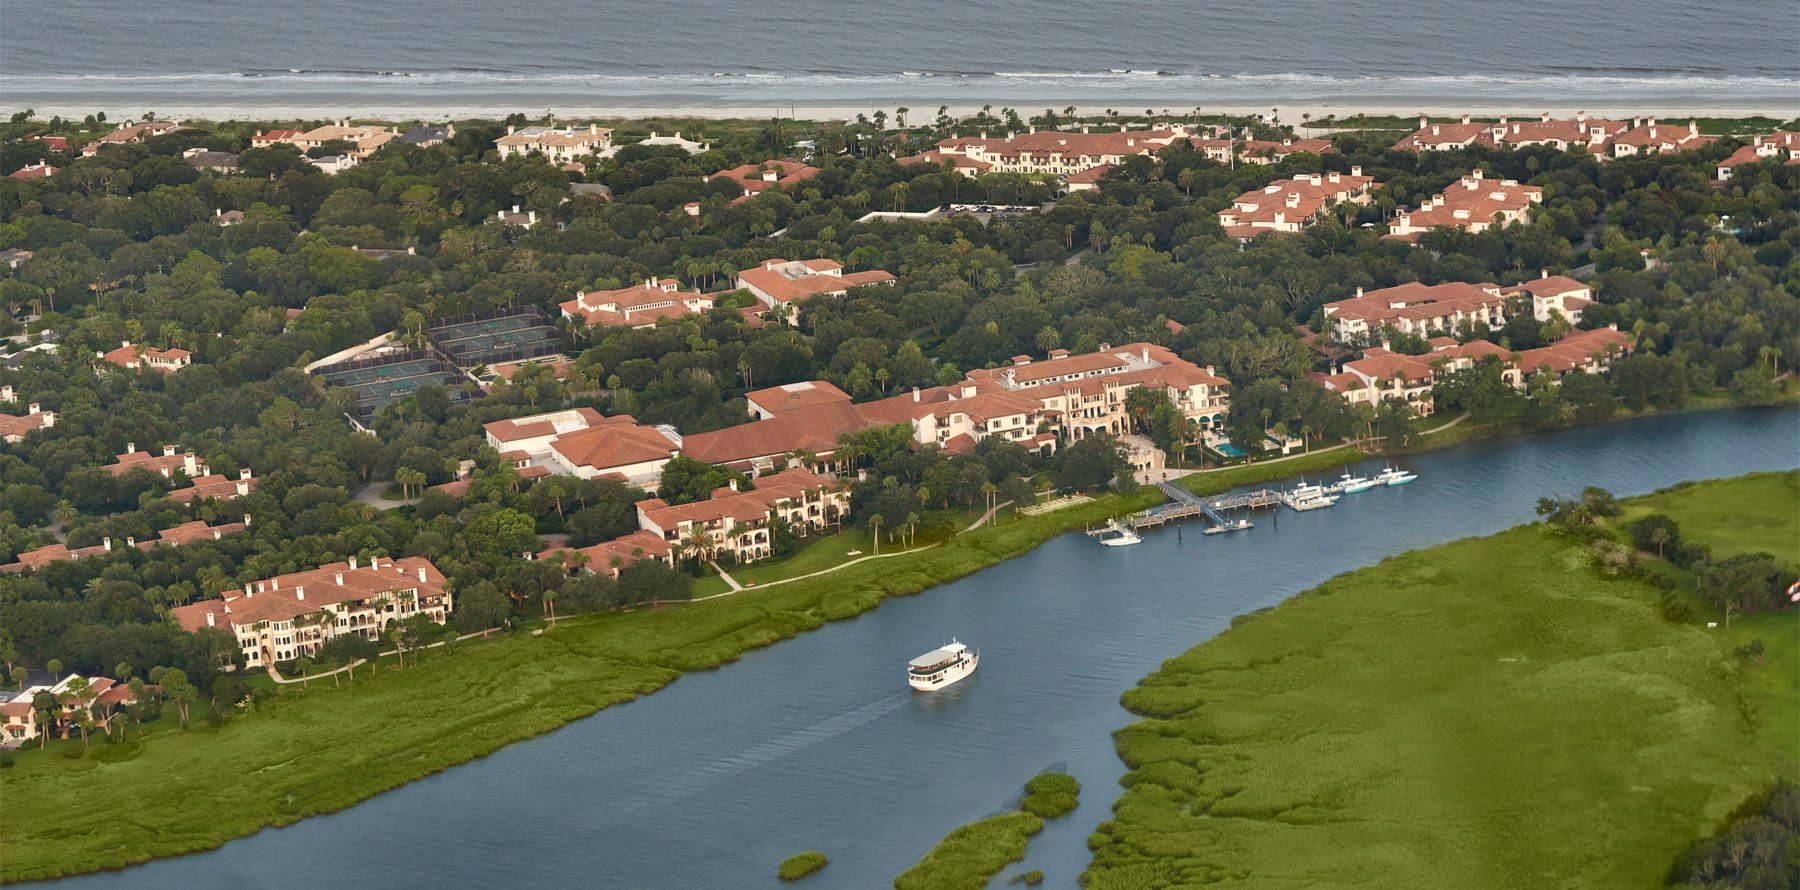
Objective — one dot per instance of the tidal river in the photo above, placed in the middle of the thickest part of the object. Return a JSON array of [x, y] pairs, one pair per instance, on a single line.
[[815, 743]]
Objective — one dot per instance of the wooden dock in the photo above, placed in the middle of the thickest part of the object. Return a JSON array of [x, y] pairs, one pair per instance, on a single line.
[[1184, 504]]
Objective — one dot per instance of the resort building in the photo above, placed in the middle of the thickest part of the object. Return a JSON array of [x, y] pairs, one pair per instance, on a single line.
[[737, 522], [1381, 375], [1414, 308], [1049, 152], [40, 170], [524, 219], [364, 139], [609, 557], [1259, 151], [641, 306], [1289, 205], [166, 464], [1037, 405], [1783, 146], [558, 146], [1582, 132], [779, 284], [332, 165], [129, 133], [1474, 203], [675, 141], [288, 616], [584, 443], [754, 179], [1086, 180], [131, 357], [1648, 138], [14, 428]]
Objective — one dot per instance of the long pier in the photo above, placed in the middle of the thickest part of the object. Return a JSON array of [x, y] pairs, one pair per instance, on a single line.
[[1184, 504]]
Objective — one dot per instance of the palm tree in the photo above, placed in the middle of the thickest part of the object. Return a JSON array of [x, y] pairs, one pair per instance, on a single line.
[[65, 511], [875, 525], [989, 491], [549, 596], [912, 527], [697, 544], [1660, 537], [77, 697]]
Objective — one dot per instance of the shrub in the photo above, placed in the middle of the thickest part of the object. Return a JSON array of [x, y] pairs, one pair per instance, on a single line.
[[800, 865], [1030, 879]]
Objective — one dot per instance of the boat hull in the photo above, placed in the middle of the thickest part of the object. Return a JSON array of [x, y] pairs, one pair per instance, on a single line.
[[952, 674]]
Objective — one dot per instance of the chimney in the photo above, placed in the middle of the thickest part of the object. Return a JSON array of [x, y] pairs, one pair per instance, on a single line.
[[1210, 372], [1546, 117], [218, 211], [246, 520], [33, 408], [1465, 118], [421, 574], [1424, 122], [1543, 273], [108, 545], [189, 465], [411, 251], [130, 541], [340, 578], [353, 563], [210, 621], [1693, 128], [734, 485], [1434, 129], [1515, 129], [243, 488], [1146, 353], [168, 451], [1650, 121], [130, 447], [1356, 171], [915, 394], [244, 473], [1359, 292], [300, 592], [509, 129]]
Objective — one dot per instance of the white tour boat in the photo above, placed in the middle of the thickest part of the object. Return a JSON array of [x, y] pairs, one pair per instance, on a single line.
[[1307, 496], [1394, 476], [1117, 534], [941, 667]]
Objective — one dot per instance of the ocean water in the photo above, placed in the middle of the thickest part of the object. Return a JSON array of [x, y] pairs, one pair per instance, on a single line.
[[1137, 53]]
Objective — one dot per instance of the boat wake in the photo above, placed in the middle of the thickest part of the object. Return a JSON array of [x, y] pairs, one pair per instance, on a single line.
[[684, 786]]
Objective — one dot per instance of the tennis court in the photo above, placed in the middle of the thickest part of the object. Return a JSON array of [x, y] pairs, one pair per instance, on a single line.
[[509, 335], [373, 385]]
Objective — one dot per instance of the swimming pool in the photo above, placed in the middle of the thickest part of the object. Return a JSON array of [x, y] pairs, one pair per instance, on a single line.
[[1228, 449]]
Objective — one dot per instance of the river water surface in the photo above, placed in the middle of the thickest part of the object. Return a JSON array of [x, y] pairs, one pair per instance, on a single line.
[[815, 743]]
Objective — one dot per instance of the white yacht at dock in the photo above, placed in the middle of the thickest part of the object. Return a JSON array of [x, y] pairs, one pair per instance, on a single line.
[[942, 667]]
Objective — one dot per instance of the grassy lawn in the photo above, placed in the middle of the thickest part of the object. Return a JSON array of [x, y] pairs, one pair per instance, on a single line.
[[1488, 713], [815, 554]]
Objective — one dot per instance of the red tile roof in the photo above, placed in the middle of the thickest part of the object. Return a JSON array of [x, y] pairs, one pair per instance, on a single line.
[[300, 593], [614, 445]]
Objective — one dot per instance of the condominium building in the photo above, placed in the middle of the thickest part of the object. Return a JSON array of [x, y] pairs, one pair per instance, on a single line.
[[294, 615], [1783, 146], [165, 464], [737, 522], [1381, 375], [1588, 134], [1289, 205], [1475, 203], [1647, 137], [364, 140], [1415, 308], [1049, 152], [754, 179], [584, 443]]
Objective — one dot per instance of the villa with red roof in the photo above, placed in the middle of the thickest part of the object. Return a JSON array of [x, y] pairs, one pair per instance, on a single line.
[[1783, 146], [40, 170], [288, 616], [267, 138], [754, 179], [639, 306], [609, 557], [778, 284], [1553, 295], [174, 536], [1289, 205], [737, 522], [164, 465], [14, 428], [132, 357], [1259, 151], [214, 485], [1086, 180], [766, 403], [1474, 203], [584, 443], [104, 695]]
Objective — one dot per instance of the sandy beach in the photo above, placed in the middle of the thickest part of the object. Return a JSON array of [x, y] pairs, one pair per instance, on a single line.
[[471, 108]]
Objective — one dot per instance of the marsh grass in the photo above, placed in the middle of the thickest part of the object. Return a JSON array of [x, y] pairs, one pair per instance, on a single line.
[[969, 856], [1487, 713], [800, 865]]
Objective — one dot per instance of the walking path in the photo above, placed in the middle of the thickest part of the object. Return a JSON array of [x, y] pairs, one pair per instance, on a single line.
[[735, 586], [362, 661], [986, 516], [371, 494]]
